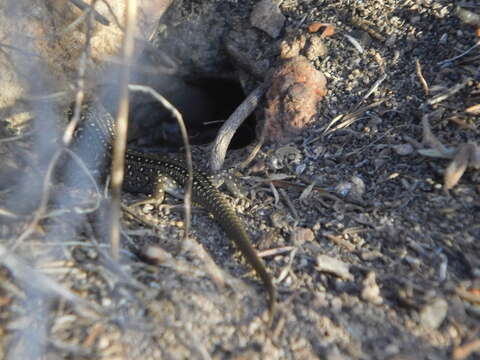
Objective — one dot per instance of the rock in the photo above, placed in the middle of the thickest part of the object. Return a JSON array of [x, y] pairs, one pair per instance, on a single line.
[[334, 266], [371, 291], [403, 149], [293, 99], [358, 187], [433, 314], [266, 16], [302, 235]]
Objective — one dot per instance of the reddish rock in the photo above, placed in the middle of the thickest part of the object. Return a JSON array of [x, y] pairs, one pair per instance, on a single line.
[[293, 99]]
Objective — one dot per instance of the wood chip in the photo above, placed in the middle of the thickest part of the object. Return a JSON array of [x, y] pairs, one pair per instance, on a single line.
[[474, 109], [333, 266]]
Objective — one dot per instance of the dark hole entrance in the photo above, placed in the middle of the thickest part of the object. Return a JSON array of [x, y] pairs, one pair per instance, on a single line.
[[205, 103]]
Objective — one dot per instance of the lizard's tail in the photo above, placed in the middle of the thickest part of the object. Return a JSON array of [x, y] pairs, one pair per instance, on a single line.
[[235, 230]]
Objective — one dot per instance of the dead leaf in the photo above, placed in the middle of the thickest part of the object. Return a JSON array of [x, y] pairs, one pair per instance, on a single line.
[[474, 109], [431, 139], [329, 31], [457, 167], [474, 156]]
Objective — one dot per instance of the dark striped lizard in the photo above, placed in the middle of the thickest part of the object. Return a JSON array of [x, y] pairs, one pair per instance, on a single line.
[[150, 174]]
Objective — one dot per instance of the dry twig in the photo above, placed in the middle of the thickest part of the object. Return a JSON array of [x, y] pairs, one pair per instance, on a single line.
[[80, 91], [418, 68], [275, 252], [461, 352]]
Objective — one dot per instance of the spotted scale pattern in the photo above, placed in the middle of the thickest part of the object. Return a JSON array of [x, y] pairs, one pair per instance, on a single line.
[[151, 174]]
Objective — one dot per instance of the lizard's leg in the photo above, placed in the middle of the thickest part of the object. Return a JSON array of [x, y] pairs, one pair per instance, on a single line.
[[164, 184], [154, 199], [225, 177]]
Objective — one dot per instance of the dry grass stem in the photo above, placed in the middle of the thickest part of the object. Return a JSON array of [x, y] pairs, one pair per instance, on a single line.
[[188, 153], [443, 62], [374, 88], [275, 252], [120, 140], [288, 268], [350, 118], [39, 213], [90, 8], [289, 204], [80, 88], [450, 92]]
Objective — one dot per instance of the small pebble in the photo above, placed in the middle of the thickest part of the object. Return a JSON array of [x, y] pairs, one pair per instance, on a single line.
[[358, 188], [266, 16], [334, 266], [179, 224], [433, 314], [336, 304], [293, 99], [343, 188], [370, 255], [106, 302], [301, 235], [371, 291], [403, 149], [147, 208], [103, 343]]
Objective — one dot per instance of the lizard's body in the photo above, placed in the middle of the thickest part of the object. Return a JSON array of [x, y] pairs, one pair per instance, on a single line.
[[145, 173]]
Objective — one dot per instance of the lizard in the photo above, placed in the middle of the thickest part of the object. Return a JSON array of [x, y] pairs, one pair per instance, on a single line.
[[153, 174]]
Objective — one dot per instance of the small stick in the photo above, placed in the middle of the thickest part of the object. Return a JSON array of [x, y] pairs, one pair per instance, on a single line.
[[275, 252], [450, 92], [461, 352], [15, 138], [82, 5], [289, 203], [374, 87], [256, 148], [418, 69], [459, 56]]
